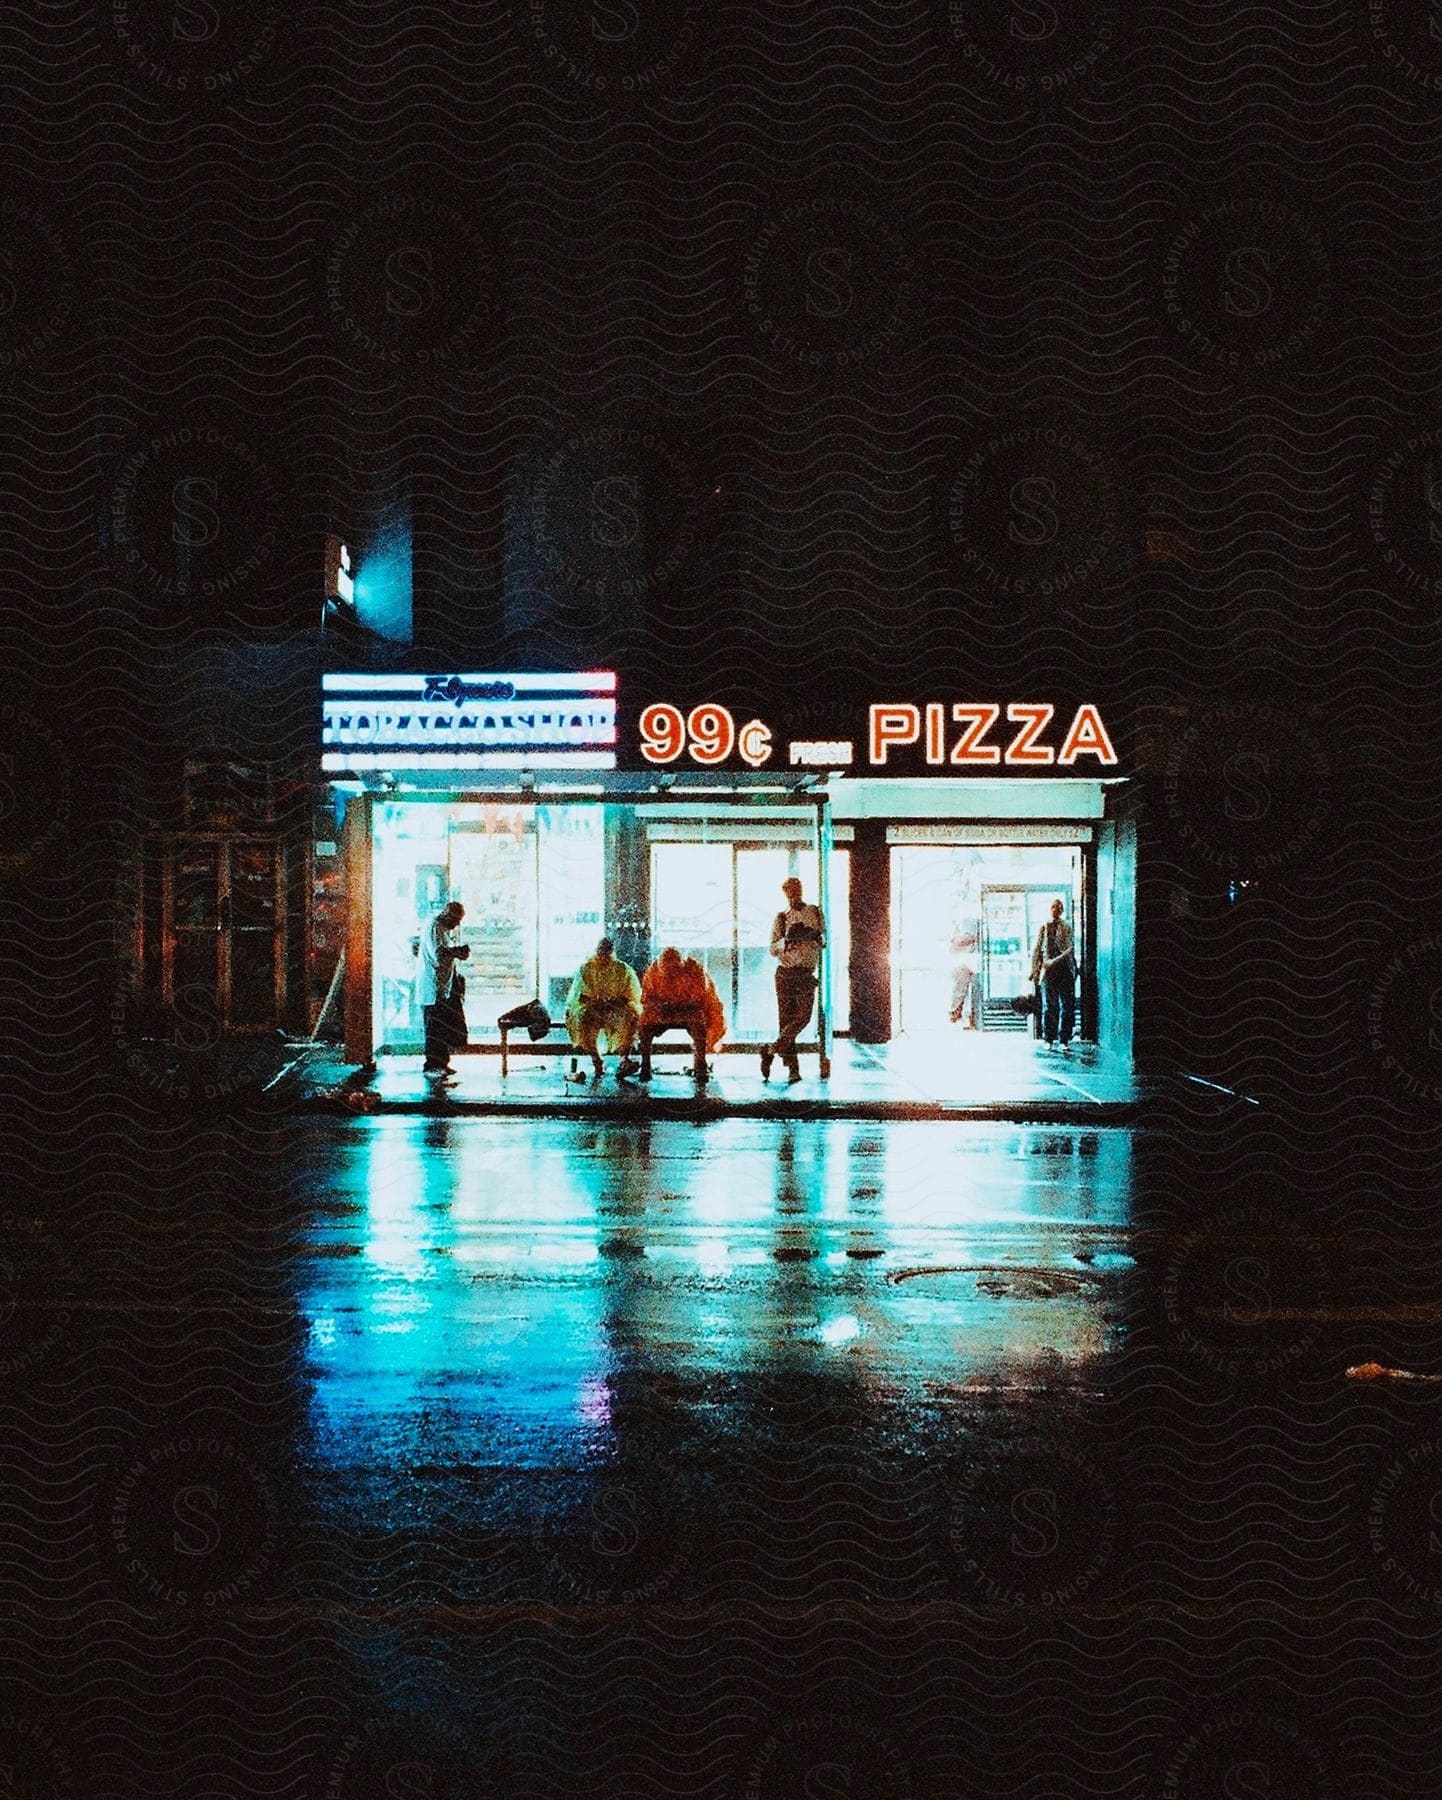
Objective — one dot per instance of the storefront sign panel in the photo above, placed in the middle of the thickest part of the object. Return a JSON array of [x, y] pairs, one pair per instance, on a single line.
[[469, 721], [900, 737]]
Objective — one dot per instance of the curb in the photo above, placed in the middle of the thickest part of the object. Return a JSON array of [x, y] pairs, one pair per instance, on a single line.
[[696, 1108]]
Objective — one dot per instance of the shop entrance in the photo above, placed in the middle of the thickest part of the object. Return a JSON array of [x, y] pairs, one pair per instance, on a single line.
[[1011, 917], [964, 918]]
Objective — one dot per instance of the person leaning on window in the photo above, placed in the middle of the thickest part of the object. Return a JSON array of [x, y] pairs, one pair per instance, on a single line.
[[796, 940]]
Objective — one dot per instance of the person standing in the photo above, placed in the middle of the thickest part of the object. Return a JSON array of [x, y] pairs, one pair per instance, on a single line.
[[1053, 964], [796, 940], [439, 954], [965, 988]]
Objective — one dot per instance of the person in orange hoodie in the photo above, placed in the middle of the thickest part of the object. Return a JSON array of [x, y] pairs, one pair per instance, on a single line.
[[677, 992]]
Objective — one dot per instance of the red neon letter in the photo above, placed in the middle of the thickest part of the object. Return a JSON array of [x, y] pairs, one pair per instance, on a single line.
[[1088, 737], [935, 734], [713, 734], [1033, 720], [662, 734], [892, 725], [978, 720]]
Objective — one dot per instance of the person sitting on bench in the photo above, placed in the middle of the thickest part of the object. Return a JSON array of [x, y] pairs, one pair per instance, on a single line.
[[677, 992], [605, 998]]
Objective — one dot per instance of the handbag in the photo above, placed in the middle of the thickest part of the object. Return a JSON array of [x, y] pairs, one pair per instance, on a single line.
[[531, 1018]]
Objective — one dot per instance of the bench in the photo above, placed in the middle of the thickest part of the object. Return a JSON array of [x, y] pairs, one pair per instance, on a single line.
[[563, 1046], [539, 1047]]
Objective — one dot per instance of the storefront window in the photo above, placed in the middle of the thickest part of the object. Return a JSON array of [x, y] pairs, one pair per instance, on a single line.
[[691, 906], [759, 874], [493, 872], [573, 895], [532, 881], [717, 902]]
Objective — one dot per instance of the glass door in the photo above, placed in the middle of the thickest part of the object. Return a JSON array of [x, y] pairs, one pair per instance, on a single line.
[[1007, 938], [250, 950], [191, 971], [972, 907], [1011, 919], [934, 931]]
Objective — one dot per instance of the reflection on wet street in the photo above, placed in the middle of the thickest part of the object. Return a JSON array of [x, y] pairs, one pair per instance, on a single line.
[[483, 1297], [763, 1459]]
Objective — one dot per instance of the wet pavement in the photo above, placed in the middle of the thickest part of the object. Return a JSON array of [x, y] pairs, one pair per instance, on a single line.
[[953, 1075], [427, 1455]]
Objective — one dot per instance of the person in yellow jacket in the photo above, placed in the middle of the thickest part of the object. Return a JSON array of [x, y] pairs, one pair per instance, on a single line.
[[605, 998], [677, 991]]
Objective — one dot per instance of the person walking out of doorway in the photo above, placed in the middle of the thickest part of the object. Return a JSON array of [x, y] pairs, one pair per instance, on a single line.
[[439, 956], [796, 940], [1053, 964]]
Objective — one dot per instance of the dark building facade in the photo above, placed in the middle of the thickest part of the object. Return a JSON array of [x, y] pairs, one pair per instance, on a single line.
[[664, 393]]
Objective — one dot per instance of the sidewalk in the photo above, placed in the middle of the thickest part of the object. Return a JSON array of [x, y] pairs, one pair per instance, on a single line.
[[955, 1076]]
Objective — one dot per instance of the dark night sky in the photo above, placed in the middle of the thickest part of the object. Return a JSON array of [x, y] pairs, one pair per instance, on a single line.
[[765, 353]]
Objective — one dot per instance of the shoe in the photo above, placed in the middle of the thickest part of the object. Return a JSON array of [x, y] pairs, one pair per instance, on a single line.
[[628, 1067], [793, 1078], [766, 1058]]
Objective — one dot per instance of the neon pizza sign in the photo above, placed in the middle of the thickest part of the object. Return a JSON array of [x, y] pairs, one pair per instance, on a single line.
[[962, 735]]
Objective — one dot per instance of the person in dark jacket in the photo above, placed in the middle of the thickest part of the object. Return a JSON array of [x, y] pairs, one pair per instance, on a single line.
[[797, 937], [1053, 965]]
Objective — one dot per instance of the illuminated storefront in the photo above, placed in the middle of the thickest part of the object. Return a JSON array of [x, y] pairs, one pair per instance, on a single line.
[[934, 836]]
